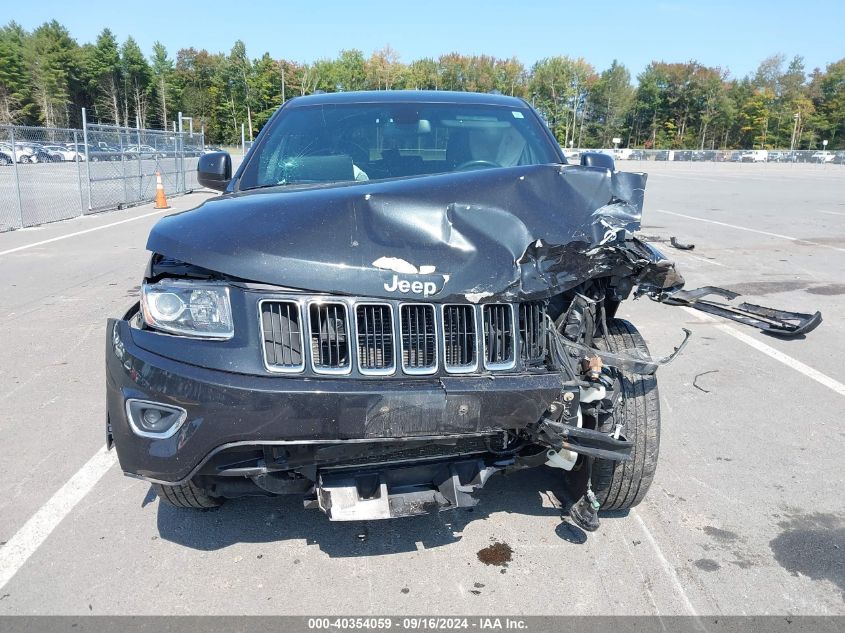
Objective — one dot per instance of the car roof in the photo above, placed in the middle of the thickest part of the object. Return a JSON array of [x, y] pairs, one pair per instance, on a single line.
[[407, 96]]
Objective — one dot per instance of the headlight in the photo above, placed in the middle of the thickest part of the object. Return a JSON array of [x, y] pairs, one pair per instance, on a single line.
[[188, 308]]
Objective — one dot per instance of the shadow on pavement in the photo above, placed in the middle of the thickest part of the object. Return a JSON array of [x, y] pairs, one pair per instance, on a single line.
[[264, 520]]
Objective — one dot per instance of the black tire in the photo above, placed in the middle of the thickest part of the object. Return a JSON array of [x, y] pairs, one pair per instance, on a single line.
[[187, 495], [622, 485]]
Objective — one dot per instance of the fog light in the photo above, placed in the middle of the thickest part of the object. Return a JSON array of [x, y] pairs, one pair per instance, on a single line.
[[152, 419]]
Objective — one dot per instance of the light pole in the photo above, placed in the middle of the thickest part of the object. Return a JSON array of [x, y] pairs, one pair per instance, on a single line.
[[796, 117]]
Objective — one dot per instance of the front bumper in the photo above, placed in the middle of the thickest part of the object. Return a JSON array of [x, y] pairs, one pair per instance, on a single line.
[[226, 409]]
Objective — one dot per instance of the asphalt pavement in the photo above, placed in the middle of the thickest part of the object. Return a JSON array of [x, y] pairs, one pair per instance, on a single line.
[[746, 514]]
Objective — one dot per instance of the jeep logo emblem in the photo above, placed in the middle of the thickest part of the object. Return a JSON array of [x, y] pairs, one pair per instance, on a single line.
[[424, 288]]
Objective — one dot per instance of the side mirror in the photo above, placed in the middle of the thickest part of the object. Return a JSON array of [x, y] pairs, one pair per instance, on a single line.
[[215, 170], [598, 159]]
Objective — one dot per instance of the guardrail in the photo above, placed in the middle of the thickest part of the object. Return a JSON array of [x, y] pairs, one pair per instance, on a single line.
[[50, 174]]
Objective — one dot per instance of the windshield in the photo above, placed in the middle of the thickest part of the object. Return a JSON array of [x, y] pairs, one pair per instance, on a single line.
[[360, 142]]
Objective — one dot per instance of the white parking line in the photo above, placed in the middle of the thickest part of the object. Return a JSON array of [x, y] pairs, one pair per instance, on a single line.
[[779, 356], [34, 532], [832, 212], [667, 567], [655, 175], [745, 228], [64, 237]]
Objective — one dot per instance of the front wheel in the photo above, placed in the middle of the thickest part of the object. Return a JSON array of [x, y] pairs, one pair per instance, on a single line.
[[187, 495], [622, 485]]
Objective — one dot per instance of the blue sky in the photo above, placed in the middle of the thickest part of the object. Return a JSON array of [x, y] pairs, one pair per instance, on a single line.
[[734, 35]]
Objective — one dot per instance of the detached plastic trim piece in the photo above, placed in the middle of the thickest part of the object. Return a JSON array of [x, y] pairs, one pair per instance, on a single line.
[[776, 322]]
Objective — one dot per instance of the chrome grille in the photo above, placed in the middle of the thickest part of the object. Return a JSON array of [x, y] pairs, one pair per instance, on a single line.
[[419, 338], [460, 353], [282, 332], [329, 335], [374, 328], [532, 331], [498, 336], [330, 348]]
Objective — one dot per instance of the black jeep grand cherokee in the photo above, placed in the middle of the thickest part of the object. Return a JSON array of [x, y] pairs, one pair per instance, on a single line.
[[397, 295]]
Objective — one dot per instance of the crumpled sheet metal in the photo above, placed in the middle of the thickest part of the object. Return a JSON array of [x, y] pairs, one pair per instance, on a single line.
[[507, 234]]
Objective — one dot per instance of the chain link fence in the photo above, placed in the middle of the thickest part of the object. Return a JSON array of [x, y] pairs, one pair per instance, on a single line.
[[794, 157], [50, 174], [123, 164], [40, 175]]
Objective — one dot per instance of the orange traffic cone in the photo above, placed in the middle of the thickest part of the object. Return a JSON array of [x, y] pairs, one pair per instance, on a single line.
[[161, 199]]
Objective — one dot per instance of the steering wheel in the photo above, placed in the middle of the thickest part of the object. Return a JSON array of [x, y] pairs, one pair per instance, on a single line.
[[476, 164]]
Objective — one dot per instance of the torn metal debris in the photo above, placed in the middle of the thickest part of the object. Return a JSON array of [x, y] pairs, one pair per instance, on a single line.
[[776, 322], [681, 246]]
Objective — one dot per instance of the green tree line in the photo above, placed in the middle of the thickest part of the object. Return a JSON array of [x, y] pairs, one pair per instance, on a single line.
[[46, 77]]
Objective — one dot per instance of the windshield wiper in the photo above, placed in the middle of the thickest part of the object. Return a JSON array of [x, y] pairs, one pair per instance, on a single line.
[[295, 183]]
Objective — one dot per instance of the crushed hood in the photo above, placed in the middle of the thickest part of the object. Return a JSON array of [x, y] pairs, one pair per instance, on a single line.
[[506, 234]]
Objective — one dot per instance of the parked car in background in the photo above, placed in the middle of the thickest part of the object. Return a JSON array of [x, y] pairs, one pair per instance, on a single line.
[[572, 154], [103, 152], [754, 156], [7, 151], [822, 157], [62, 153], [36, 153], [838, 158], [5, 158], [78, 149], [144, 151], [638, 154]]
